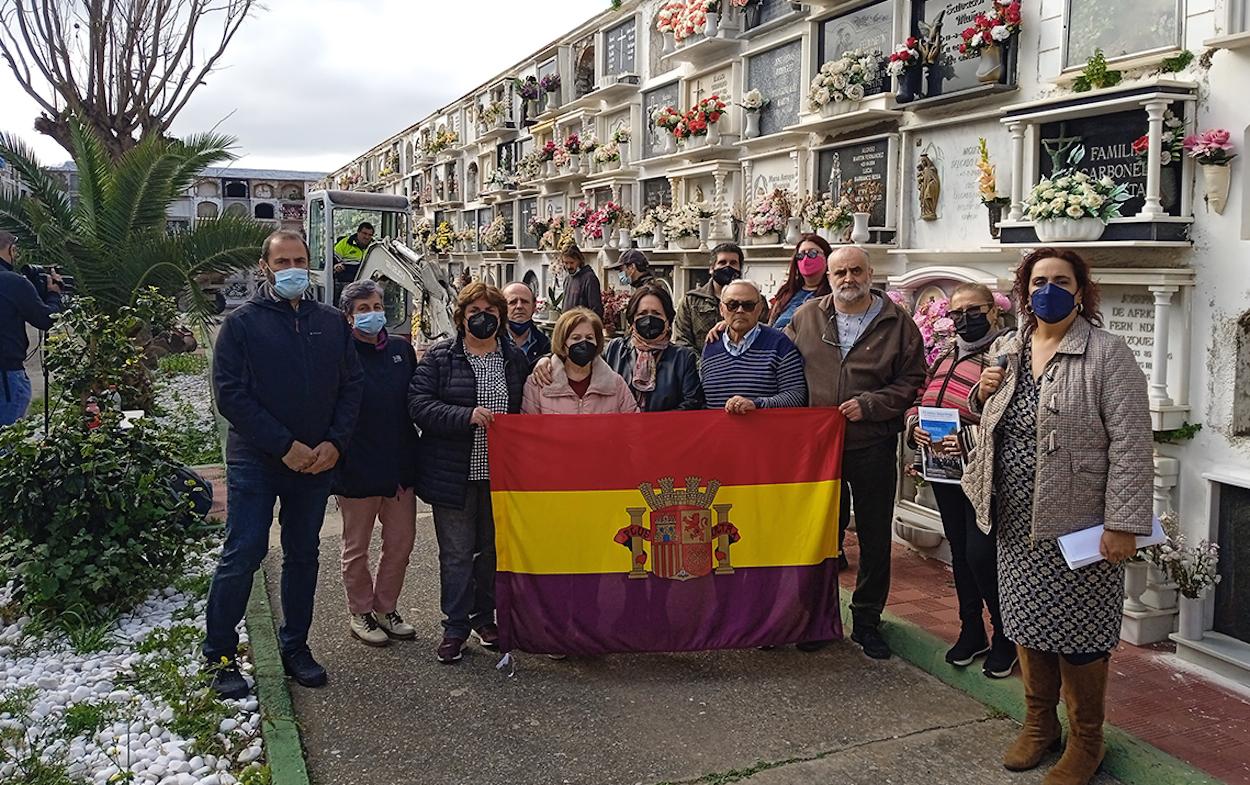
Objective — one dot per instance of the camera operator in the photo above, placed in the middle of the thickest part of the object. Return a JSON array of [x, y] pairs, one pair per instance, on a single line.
[[20, 303]]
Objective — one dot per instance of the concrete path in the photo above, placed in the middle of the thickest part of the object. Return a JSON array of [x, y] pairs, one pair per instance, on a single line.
[[396, 715]]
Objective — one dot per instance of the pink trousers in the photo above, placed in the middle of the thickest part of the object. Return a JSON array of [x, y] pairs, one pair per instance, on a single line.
[[398, 515]]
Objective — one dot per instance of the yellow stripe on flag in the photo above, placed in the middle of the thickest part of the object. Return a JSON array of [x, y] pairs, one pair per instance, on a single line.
[[571, 532]]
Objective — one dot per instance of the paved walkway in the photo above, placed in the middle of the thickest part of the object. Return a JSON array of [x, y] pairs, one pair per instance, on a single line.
[[764, 717], [1152, 694]]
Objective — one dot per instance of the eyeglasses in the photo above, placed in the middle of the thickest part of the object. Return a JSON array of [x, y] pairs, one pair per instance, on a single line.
[[740, 305], [983, 308], [810, 253]]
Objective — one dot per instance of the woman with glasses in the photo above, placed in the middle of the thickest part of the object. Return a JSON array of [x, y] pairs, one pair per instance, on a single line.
[[808, 278], [949, 382]]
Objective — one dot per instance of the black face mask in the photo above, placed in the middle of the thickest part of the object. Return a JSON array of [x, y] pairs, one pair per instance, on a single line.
[[725, 275], [483, 325], [973, 326], [583, 353], [649, 327]]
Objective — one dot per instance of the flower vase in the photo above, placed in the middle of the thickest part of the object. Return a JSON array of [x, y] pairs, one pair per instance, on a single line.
[[934, 75], [1192, 620], [705, 229], [579, 236], [990, 69], [995, 209], [826, 234], [793, 230], [609, 236], [553, 100], [623, 239], [695, 141], [532, 109], [583, 163], [751, 16], [859, 229], [713, 21], [713, 134], [1135, 573], [549, 169], [1069, 230], [624, 160], [836, 108], [909, 85], [1215, 179], [769, 238], [670, 44], [1169, 186], [657, 237], [645, 240], [670, 143], [752, 123], [925, 497], [688, 242]]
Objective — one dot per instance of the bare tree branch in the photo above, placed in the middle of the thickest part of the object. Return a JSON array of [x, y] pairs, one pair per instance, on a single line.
[[125, 68]]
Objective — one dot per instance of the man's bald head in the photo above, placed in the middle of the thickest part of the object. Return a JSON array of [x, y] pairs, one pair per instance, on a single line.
[[520, 299], [850, 275]]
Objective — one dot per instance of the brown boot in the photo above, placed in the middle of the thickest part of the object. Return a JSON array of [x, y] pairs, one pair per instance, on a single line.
[[1039, 670], [1085, 695]]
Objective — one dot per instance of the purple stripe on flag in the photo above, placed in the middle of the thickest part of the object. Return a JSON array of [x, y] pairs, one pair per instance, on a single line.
[[603, 613]]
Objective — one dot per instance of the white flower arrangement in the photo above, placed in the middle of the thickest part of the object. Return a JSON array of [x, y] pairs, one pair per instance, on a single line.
[[645, 226], [753, 101], [607, 153], [846, 79], [1072, 194], [494, 234], [621, 136], [828, 213], [683, 221], [502, 180], [1193, 568]]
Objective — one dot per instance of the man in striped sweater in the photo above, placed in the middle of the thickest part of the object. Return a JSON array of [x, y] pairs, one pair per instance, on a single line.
[[752, 366]]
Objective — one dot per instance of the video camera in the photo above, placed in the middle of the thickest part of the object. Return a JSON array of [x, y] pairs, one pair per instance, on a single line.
[[39, 275]]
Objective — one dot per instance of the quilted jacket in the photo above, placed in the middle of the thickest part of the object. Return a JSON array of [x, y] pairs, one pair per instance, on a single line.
[[1094, 443]]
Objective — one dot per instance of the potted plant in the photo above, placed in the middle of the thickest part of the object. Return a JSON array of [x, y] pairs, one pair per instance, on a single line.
[[1214, 153], [529, 91], [752, 103], [906, 67], [988, 35], [644, 230], [660, 215], [700, 122], [624, 228], [1171, 150], [579, 220], [842, 83], [667, 21], [682, 227], [830, 217], [667, 120], [1194, 570], [621, 137], [555, 299], [703, 17], [550, 85], [987, 187], [1071, 206], [573, 149], [768, 218]]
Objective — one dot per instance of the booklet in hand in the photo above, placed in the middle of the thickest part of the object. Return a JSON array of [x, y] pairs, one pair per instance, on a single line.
[[1081, 549], [940, 423]]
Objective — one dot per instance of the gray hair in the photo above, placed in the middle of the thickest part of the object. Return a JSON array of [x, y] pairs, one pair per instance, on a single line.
[[7, 240], [741, 282], [358, 290]]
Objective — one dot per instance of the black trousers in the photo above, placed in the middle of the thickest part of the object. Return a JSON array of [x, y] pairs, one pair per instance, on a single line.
[[869, 476], [973, 558]]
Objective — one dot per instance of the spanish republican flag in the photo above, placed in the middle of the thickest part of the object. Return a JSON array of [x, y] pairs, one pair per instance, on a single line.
[[672, 531]]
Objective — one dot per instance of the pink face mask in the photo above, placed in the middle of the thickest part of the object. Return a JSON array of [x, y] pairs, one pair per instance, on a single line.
[[812, 265]]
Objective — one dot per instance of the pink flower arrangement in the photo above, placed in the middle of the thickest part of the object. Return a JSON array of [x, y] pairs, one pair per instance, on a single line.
[[598, 220], [1003, 302], [936, 328], [549, 151], [580, 216], [670, 15], [769, 215], [667, 118], [573, 144], [899, 299], [1000, 24], [1210, 148]]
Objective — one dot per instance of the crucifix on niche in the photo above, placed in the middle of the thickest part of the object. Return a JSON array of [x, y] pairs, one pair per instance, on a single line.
[[1059, 147]]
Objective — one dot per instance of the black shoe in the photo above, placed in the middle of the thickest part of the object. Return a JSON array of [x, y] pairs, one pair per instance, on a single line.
[[843, 564], [811, 646], [869, 638], [301, 666], [971, 644], [228, 681], [1002, 659]]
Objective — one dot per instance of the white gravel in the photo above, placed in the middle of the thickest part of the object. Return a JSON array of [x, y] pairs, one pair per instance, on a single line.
[[139, 742], [194, 389]]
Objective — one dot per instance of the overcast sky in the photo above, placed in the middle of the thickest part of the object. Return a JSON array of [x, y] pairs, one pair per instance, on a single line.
[[309, 84]]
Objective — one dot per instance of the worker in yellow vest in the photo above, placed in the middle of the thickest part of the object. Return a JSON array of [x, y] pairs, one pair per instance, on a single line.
[[349, 252]]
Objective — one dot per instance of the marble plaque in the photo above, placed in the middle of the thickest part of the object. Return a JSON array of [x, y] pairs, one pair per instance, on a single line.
[[656, 191], [767, 11], [961, 70], [1233, 592], [1119, 27], [710, 84], [620, 45], [868, 28], [963, 221], [859, 163], [668, 95], [526, 209], [778, 74], [1129, 312], [768, 174]]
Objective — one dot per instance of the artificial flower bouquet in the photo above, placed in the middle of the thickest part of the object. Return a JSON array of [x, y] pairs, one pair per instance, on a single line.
[[1073, 194], [848, 78], [1000, 24]]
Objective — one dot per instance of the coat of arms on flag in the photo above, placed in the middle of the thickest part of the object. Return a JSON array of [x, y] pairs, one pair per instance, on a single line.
[[683, 539]]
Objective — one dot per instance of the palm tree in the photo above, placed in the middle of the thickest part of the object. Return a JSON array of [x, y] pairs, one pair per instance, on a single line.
[[114, 240]]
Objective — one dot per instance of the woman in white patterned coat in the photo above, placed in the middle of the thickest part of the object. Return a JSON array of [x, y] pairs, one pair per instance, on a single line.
[[1064, 444]]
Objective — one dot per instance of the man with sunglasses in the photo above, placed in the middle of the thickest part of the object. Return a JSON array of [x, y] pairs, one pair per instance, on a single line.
[[864, 355], [752, 366]]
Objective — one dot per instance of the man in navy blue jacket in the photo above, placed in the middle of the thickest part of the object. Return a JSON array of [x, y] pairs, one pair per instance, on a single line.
[[19, 305], [287, 378]]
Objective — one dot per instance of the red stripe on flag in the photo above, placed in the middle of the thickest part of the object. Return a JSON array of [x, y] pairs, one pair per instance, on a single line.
[[601, 452]]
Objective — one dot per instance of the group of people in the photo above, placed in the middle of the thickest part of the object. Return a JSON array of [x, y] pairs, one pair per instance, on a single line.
[[1055, 438]]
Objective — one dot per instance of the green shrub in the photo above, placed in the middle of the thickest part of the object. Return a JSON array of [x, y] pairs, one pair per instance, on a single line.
[[183, 364], [193, 443]]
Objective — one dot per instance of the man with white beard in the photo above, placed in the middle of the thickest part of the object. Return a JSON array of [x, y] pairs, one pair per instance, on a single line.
[[864, 355]]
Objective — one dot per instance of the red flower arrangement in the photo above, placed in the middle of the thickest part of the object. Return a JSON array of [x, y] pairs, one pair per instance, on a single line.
[[1000, 24], [696, 120], [549, 151]]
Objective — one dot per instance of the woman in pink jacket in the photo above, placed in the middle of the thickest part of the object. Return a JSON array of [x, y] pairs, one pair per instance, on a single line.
[[581, 383]]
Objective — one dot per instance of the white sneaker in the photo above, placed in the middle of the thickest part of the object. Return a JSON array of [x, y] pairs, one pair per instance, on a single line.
[[366, 629], [393, 624]]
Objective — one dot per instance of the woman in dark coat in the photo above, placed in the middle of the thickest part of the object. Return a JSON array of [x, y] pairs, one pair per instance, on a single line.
[[456, 391]]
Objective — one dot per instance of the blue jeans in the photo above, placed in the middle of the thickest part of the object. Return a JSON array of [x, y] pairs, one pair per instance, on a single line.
[[251, 491], [14, 396]]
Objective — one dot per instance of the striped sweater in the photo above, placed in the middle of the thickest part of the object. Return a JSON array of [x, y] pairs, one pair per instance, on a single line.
[[948, 385], [770, 373]]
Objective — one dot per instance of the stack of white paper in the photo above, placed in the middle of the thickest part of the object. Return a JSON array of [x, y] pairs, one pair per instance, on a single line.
[[1080, 549]]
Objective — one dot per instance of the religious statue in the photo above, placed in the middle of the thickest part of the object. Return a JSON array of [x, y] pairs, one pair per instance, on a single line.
[[929, 186], [931, 40], [698, 194]]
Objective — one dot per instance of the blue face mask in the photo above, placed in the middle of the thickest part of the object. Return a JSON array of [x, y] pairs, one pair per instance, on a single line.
[[370, 323], [624, 278], [1052, 303], [290, 283]]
